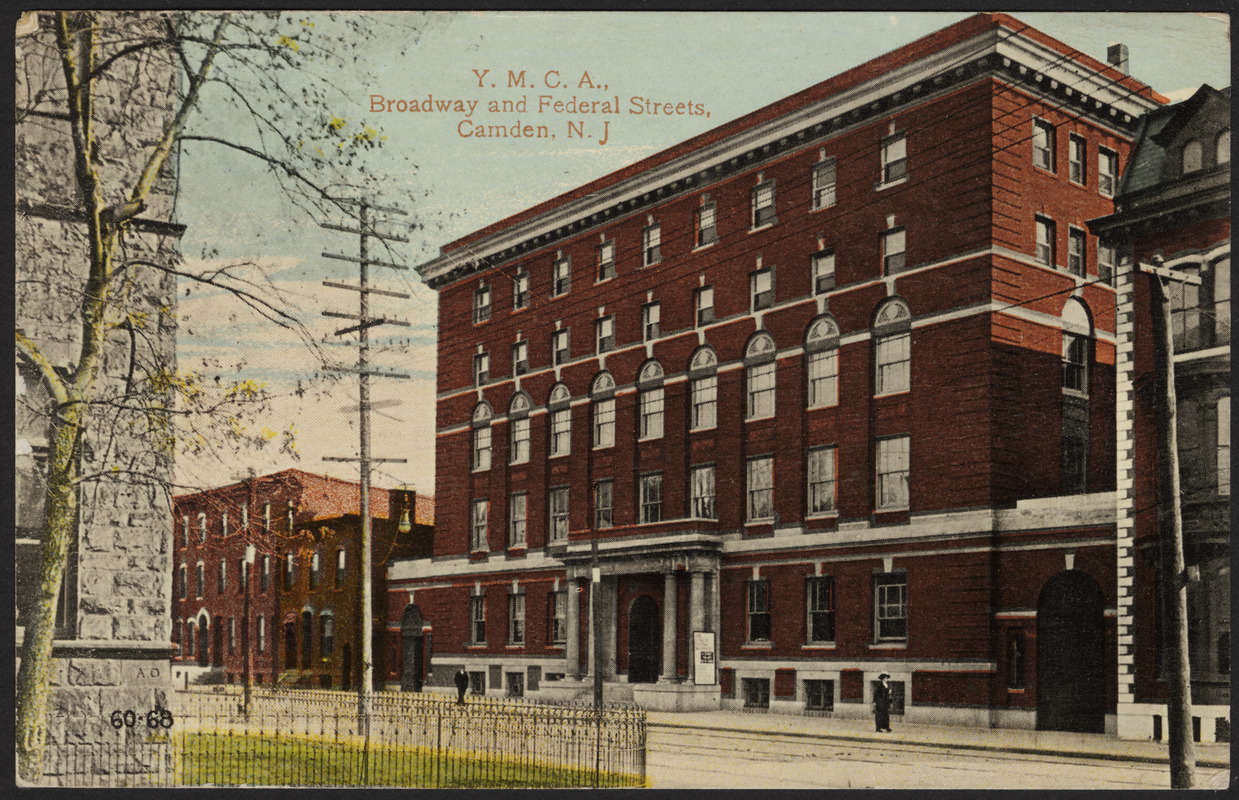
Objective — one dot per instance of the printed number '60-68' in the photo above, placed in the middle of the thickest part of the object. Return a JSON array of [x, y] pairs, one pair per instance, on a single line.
[[159, 718]]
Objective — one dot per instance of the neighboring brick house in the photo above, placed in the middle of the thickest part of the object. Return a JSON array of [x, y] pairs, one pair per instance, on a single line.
[[304, 587], [1173, 209], [833, 381]]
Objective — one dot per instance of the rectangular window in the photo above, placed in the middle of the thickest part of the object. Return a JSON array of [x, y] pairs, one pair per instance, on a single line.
[[243, 570], [289, 571], [185, 531], [893, 244], [481, 368], [1185, 308], [705, 304], [603, 498], [481, 447], [1045, 241], [1105, 263], [822, 480], [561, 277], [1107, 171], [315, 572], [760, 488], [516, 519], [477, 619], [265, 578], [890, 606], [763, 204], [183, 583], [824, 184], [760, 384], [820, 597], [652, 413], [604, 329], [606, 260], [1223, 445], [819, 695], [824, 378], [705, 402], [223, 524], [479, 525], [223, 576], [1075, 251], [245, 516], [892, 458], [702, 492], [201, 580], [232, 635], [561, 431], [762, 289], [651, 315], [604, 423], [756, 692], [1075, 363], [202, 527], [652, 498], [341, 569], [893, 359], [651, 239], [558, 502], [1043, 145], [557, 616], [266, 517], [516, 618], [894, 158], [759, 610], [520, 358], [262, 633], [481, 305], [707, 225], [559, 343], [520, 291], [1076, 159], [823, 271], [519, 451], [327, 635]]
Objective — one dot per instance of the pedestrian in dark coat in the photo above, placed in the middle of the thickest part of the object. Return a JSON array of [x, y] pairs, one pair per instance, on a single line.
[[882, 704], [462, 684]]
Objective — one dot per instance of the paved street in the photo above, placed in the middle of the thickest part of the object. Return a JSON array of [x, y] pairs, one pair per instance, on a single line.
[[720, 750]]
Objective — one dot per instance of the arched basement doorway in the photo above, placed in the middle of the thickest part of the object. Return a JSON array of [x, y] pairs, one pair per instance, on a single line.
[[1071, 692], [204, 634], [412, 650], [644, 640]]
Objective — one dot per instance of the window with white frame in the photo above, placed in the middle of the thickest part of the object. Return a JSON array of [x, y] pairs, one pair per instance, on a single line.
[[477, 619], [606, 260], [1223, 445], [290, 573], [520, 358], [824, 183], [1075, 251], [185, 530], [651, 315], [703, 389], [559, 344], [516, 519], [707, 225], [315, 570], [890, 606], [201, 579], [604, 329], [1107, 171], [558, 503], [763, 204], [1043, 145], [265, 577], [481, 436], [341, 568], [1077, 329], [822, 461], [1077, 150], [704, 300], [326, 634], [481, 368], [701, 491], [481, 305], [516, 617], [266, 517], [603, 503], [761, 286], [561, 420], [892, 334], [518, 417], [520, 290], [651, 242], [894, 242], [892, 467], [223, 523], [650, 403], [759, 488], [823, 271], [758, 596], [479, 524], [182, 582], [820, 608], [822, 363], [894, 158], [223, 576], [759, 376], [1045, 241], [603, 395], [202, 527], [561, 276], [651, 497], [557, 616], [1105, 263], [262, 633]]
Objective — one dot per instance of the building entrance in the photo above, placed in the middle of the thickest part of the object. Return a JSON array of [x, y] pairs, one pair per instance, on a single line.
[[412, 649], [644, 640], [1071, 692]]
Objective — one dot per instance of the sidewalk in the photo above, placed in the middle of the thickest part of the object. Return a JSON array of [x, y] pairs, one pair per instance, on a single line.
[[1079, 745]]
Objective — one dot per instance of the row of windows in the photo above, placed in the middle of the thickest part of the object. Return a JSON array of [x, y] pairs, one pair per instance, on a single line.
[[224, 524], [892, 469], [1047, 250], [1045, 156], [556, 618], [890, 609], [191, 637], [243, 571], [1192, 157]]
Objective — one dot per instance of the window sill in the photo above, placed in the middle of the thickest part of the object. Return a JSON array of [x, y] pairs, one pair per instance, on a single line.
[[818, 646], [650, 438], [560, 455], [1075, 393], [518, 463], [518, 309], [891, 394], [881, 187], [651, 264], [888, 645], [703, 430], [822, 515], [822, 208], [823, 405], [759, 419], [765, 227], [754, 523], [477, 470], [1011, 690], [598, 447], [757, 646], [477, 645], [604, 280], [514, 647], [705, 246], [476, 552], [890, 510]]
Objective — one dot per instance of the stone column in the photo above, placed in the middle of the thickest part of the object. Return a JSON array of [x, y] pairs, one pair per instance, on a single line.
[[572, 648], [669, 627], [696, 615]]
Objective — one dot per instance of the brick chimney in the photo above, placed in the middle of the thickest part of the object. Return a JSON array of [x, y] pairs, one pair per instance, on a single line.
[[1116, 56]]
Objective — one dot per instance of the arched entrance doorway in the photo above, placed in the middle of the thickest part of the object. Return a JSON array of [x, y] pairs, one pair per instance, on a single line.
[[218, 643], [307, 638], [290, 644], [204, 634], [412, 650], [644, 640], [1071, 693]]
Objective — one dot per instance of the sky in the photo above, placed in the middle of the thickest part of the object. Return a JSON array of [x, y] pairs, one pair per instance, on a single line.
[[453, 182]]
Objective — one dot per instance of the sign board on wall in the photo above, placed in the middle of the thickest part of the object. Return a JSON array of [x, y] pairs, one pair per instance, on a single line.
[[706, 672]]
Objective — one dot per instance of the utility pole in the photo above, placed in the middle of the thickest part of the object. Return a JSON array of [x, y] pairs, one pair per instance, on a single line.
[[365, 322], [1170, 533]]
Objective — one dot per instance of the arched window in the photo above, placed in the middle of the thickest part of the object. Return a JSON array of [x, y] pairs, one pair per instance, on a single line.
[[603, 395], [759, 376], [822, 362], [1077, 354], [703, 388], [315, 572], [327, 633], [650, 385], [1223, 147], [559, 404], [892, 342], [1076, 332], [1192, 156], [518, 422], [482, 415]]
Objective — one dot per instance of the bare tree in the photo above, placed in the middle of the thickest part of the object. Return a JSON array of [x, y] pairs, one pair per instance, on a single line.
[[105, 101]]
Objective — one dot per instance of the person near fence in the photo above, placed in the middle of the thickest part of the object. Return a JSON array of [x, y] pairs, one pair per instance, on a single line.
[[882, 704], [462, 685]]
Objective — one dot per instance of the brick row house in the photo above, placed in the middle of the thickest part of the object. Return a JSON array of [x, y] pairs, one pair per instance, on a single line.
[[302, 590], [832, 383]]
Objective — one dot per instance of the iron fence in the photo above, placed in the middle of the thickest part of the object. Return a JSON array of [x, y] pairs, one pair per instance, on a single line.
[[305, 737]]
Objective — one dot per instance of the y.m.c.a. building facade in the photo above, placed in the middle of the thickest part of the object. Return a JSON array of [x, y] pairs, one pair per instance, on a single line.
[[833, 382]]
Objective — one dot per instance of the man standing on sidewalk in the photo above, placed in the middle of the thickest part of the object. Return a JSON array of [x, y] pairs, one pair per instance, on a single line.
[[882, 704], [462, 683]]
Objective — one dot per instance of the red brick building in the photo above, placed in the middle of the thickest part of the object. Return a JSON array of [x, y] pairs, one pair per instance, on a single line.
[[1173, 211], [833, 382], [302, 593]]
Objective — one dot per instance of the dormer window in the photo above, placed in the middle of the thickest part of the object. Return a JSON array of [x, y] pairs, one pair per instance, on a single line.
[[1193, 156]]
